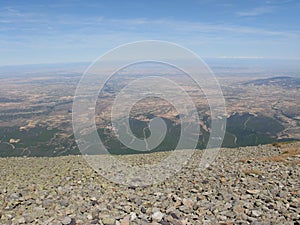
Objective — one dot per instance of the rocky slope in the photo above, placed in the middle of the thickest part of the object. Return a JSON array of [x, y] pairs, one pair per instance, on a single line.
[[250, 185]]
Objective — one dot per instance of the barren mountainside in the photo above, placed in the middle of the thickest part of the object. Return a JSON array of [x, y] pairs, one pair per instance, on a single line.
[[248, 185]]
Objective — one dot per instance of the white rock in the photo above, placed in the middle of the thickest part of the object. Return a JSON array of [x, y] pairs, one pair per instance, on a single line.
[[157, 216], [67, 220], [256, 213], [253, 191], [133, 216]]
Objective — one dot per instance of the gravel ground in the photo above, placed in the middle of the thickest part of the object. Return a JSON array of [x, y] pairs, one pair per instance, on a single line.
[[250, 185]]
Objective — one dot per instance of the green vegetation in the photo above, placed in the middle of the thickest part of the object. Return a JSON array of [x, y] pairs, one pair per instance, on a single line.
[[37, 141], [242, 130], [251, 130]]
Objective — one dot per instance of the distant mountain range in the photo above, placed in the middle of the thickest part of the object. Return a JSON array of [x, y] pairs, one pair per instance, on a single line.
[[283, 81]]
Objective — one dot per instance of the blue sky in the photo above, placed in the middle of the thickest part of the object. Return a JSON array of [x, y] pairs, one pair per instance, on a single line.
[[33, 32]]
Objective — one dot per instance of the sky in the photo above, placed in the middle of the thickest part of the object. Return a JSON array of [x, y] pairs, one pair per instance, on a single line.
[[38, 32]]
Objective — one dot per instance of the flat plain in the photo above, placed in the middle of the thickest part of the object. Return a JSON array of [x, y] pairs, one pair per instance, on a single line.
[[36, 109]]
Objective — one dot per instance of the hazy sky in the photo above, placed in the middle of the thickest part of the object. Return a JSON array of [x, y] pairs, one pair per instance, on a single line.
[[34, 32]]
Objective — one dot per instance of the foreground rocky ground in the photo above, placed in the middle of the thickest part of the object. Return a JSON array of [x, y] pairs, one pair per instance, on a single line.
[[251, 185]]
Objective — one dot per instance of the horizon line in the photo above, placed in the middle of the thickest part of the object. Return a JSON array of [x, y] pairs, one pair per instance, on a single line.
[[204, 57]]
